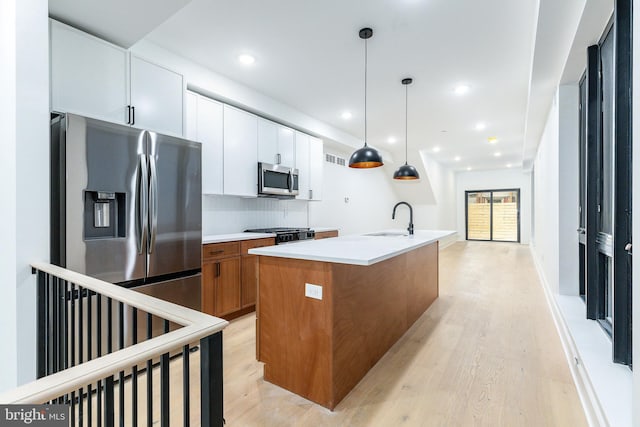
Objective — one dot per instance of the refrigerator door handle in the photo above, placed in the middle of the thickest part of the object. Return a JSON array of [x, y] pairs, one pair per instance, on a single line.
[[153, 203], [141, 201]]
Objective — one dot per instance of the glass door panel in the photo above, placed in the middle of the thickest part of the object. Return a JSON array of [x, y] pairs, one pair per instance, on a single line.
[[504, 216], [479, 216]]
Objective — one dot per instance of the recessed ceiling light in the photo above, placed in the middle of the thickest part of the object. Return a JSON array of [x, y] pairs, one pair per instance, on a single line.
[[497, 154], [492, 140], [246, 59], [347, 115], [508, 165], [392, 140], [436, 149], [461, 89], [469, 168], [480, 126], [457, 158]]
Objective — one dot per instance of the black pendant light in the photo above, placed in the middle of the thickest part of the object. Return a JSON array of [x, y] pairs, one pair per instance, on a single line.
[[406, 171], [365, 157]]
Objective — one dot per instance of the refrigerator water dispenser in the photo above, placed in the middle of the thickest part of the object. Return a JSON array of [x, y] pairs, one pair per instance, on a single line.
[[104, 215]]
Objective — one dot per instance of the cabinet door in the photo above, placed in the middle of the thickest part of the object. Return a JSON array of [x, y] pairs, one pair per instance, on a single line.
[[240, 153], [208, 291], [316, 167], [267, 142], [156, 95], [210, 134], [302, 164], [191, 116], [286, 146], [249, 280], [228, 286], [88, 75]]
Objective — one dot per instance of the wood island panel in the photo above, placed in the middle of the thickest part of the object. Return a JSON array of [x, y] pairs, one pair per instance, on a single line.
[[320, 349]]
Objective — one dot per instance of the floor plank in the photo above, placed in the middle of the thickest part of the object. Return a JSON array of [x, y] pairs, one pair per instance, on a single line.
[[486, 353]]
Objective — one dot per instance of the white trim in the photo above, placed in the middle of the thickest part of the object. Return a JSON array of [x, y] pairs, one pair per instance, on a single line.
[[593, 410]]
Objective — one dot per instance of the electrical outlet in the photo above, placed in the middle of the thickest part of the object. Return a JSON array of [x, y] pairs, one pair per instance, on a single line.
[[313, 291]]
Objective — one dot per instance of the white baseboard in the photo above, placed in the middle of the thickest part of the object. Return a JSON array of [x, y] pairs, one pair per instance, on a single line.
[[593, 410]]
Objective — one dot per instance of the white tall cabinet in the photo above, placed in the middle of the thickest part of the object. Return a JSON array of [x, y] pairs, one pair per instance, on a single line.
[[94, 78], [156, 97], [88, 75], [309, 162], [205, 124], [240, 152]]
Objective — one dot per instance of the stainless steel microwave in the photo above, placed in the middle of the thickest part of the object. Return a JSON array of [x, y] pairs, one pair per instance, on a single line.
[[277, 180]]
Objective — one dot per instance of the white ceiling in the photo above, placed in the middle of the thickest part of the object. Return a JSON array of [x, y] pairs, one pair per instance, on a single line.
[[309, 56]]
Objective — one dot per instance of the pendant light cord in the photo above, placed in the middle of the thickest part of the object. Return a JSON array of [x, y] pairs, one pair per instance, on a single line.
[[365, 92], [406, 123]]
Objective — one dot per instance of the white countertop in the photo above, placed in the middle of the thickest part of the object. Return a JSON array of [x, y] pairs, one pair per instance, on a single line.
[[355, 249], [219, 238]]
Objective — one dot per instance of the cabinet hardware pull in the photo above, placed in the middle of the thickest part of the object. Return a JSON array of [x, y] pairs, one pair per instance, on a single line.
[[217, 269], [219, 251], [128, 114], [133, 116], [310, 194]]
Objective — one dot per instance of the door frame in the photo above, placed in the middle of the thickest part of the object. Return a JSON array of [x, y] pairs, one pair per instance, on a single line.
[[466, 214]]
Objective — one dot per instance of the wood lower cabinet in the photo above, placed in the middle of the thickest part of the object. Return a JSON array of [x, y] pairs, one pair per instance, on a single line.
[[230, 277], [326, 234]]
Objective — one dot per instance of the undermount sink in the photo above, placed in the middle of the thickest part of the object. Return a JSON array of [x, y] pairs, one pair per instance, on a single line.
[[389, 234]]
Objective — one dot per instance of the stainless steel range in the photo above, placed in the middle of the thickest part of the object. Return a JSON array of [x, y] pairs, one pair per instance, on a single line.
[[287, 235]]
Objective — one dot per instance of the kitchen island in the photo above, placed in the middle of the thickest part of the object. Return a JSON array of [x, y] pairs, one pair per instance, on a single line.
[[328, 310]]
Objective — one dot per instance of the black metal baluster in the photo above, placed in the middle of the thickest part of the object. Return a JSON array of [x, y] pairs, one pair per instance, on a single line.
[[185, 386], [164, 384], [109, 327], [89, 325], [49, 326], [73, 408], [108, 402], [134, 375], [211, 380], [149, 375], [55, 337], [89, 405], [73, 324], [80, 350], [120, 347], [99, 353], [42, 324], [67, 303]]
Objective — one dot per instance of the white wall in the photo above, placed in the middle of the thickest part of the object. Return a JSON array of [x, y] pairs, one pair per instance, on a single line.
[[356, 200], [490, 180], [546, 168], [24, 180], [225, 214], [567, 208], [8, 235]]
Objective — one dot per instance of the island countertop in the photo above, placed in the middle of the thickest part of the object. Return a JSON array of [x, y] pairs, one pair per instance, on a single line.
[[364, 249]]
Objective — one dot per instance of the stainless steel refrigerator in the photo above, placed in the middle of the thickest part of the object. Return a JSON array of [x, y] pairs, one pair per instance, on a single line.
[[126, 207]]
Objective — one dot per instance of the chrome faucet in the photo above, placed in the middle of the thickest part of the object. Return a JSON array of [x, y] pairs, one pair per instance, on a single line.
[[393, 215]]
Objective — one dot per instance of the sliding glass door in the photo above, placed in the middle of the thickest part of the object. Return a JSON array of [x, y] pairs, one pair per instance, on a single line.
[[493, 215]]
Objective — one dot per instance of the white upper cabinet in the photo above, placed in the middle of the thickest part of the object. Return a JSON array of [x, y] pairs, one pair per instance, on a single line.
[[267, 142], [240, 153], [286, 146], [156, 97], [316, 167], [309, 162], [275, 143], [204, 123], [88, 76], [94, 78], [302, 164]]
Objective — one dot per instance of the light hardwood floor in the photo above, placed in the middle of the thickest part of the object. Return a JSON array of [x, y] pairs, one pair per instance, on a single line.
[[486, 353]]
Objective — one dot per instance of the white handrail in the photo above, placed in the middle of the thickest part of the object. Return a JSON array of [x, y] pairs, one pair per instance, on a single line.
[[196, 325]]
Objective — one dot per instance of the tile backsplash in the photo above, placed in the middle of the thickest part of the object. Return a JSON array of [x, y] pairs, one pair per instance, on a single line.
[[227, 214]]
